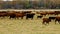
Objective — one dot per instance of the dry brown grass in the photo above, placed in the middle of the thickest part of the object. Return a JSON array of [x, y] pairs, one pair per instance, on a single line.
[[23, 26]]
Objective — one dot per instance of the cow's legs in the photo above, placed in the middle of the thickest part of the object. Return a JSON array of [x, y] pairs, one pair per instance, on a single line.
[[55, 21], [43, 22], [21, 17], [47, 22], [12, 17], [32, 18], [59, 22], [26, 17], [9, 16]]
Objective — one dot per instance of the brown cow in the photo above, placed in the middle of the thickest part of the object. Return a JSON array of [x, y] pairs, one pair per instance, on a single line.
[[42, 13], [57, 12], [20, 15], [57, 19], [15, 14], [46, 21], [11, 14], [51, 13], [3, 14]]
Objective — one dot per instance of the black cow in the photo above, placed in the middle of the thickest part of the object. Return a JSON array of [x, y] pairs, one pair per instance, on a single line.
[[52, 18], [39, 16], [30, 15]]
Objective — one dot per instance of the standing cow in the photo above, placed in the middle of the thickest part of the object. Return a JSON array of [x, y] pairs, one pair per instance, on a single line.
[[11, 14], [57, 12], [57, 19], [3, 14], [46, 21], [30, 15], [52, 17], [39, 16], [20, 15]]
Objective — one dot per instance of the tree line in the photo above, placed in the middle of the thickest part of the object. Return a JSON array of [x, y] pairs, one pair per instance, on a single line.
[[30, 5]]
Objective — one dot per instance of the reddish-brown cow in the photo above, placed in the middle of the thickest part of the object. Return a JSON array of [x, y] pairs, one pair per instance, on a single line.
[[3, 14], [46, 20], [57, 12], [51, 13], [57, 19]]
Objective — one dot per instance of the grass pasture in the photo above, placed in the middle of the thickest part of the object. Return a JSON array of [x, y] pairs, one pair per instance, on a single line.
[[23, 26]]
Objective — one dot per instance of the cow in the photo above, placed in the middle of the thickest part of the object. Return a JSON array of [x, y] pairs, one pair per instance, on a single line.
[[39, 16], [20, 15], [30, 15], [46, 21], [11, 14], [50, 13], [52, 17], [57, 12], [16, 14], [43, 13], [3, 14], [57, 19]]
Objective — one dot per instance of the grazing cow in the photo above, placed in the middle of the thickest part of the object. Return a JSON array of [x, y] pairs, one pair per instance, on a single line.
[[46, 21], [30, 15], [39, 16], [57, 19]]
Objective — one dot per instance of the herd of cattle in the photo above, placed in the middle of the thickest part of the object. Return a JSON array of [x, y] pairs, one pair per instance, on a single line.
[[30, 14]]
